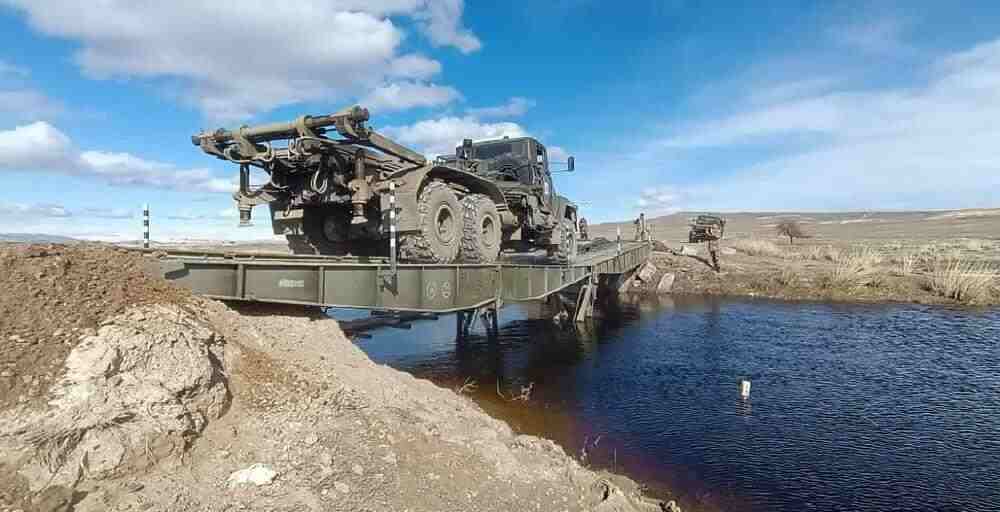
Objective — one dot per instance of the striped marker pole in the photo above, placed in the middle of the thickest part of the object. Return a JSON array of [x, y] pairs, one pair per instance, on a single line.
[[392, 225], [619, 239], [145, 226]]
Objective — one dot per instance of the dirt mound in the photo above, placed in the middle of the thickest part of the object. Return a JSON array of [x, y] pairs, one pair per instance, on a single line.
[[179, 403], [52, 295]]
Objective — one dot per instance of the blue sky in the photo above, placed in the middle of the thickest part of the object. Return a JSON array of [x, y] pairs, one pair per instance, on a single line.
[[667, 106]]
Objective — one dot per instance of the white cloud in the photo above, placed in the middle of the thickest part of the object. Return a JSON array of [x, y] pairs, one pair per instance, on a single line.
[[927, 146], [515, 107], [414, 66], [558, 154], [37, 145], [792, 90], [881, 35], [236, 61], [42, 147], [441, 136], [108, 213], [187, 215], [33, 210], [28, 104], [661, 200], [126, 169], [52, 210], [441, 24], [404, 95]]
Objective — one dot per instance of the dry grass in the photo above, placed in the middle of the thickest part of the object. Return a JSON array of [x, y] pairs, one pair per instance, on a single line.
[[787, 277], [758, 247], [906, 262], [821, 253], [963, 280], [975, 244], [857, 268]]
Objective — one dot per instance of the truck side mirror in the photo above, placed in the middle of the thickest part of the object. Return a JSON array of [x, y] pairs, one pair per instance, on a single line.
[[571, 164]]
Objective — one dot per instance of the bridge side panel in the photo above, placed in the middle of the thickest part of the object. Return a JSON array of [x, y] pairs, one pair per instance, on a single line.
[[524, 283], [282, 283], [212, 279], [351, 286]]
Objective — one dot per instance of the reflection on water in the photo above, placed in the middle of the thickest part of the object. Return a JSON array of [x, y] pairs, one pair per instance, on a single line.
[[889, 407]]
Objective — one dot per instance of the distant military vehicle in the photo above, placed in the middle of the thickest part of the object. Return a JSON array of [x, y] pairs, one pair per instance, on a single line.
[[706, 228], [338, 195]]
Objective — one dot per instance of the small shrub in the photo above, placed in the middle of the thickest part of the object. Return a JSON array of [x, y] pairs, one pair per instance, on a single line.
[[962, 280], [792, 229], [757, 247]]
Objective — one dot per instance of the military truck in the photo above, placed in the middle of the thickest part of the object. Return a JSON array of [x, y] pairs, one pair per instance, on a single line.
[[337, 187], [706, 228]]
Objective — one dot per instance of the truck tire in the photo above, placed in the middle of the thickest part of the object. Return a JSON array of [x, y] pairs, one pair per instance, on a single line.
[[481, 229], [567, 249], [325, 230], [438, 238]]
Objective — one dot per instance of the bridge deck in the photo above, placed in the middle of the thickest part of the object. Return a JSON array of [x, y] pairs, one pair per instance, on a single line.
[[369, 283]]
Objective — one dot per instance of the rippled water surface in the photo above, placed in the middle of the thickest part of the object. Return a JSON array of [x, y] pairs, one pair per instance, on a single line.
[[888, 407]]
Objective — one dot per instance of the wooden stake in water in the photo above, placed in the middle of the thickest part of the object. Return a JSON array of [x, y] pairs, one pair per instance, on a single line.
[[745, 389], [145, 226]]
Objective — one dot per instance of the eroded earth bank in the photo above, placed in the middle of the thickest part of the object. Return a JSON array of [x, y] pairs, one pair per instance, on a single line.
[[121, 392]]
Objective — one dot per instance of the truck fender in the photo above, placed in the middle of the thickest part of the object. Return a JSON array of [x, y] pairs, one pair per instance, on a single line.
[[412, 181], [564, 210]]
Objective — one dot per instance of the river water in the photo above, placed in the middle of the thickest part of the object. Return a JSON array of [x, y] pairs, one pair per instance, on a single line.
[[852, 407]]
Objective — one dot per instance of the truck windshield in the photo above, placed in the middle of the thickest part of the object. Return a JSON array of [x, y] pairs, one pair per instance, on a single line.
[[487, 151]]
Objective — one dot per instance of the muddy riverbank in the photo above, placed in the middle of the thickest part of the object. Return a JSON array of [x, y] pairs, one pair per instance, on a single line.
[[871, 273]]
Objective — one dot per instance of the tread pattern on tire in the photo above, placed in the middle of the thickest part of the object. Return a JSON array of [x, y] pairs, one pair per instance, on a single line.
[[563, 253], [414, 246], [472, 251]]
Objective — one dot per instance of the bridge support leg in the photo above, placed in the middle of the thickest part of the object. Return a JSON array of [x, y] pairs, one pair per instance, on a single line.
[[464, 320], [585, 301], [460, 324], [490, 318]]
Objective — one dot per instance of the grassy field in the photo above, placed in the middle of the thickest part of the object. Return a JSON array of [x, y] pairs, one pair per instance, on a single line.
[[933, 257]]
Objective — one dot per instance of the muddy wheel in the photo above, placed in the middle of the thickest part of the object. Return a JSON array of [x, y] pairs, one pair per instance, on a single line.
[[325, 230], [481, 233], [567, 250], [439, 227]]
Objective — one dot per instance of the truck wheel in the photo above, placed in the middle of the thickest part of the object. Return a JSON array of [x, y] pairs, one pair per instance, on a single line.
[[325, 230], [439, 227], [481, 229], [567, 250]]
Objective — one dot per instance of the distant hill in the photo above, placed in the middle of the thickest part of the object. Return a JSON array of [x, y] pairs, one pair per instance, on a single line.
[[36, 238]]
